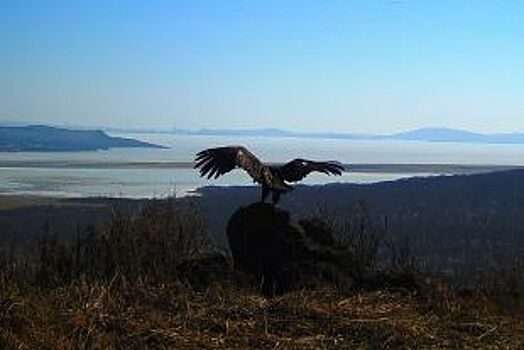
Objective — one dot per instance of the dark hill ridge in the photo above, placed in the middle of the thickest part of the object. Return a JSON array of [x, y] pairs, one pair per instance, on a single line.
[[46, 138], [462, 222]]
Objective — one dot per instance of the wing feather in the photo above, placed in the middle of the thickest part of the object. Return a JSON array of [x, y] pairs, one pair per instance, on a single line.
[[298, 169], [215, 162]]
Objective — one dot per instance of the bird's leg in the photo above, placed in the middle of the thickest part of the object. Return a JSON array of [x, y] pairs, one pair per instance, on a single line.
[[276, 197], [265, 193]]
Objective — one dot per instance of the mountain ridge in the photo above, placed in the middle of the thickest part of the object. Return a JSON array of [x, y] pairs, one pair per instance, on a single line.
[[42, 138], [430, 134]]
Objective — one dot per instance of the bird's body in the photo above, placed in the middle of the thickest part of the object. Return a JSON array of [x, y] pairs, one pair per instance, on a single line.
[[214, 162]]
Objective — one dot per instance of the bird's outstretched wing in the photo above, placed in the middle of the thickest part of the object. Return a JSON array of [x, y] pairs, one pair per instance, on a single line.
[[214, 162], [298, 169]]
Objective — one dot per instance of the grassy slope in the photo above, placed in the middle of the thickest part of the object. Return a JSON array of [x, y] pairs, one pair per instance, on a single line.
[[121, 315], [50, 305]]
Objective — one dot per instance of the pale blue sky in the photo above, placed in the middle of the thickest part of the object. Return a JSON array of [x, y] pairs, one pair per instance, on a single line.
[[353, 66]]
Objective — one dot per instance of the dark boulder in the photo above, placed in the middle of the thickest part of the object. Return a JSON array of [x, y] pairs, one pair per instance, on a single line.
[[282, 254]]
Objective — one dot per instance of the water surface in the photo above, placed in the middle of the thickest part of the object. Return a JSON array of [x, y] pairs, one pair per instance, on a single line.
[[145, 172]]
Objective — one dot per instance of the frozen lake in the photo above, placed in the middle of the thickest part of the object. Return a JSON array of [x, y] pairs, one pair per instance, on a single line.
[[145, 172]]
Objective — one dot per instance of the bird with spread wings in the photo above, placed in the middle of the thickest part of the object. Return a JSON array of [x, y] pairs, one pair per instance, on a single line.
[[214, 162]]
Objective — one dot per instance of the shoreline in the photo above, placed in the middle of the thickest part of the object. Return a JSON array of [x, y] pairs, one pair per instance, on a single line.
[[13, 200], [385, 168]]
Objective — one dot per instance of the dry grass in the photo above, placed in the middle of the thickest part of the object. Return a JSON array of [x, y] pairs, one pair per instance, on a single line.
[[119, 287], [123, 315]]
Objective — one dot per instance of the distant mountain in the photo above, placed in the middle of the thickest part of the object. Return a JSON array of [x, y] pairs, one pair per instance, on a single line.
[[47, 138], [237, 132], [424, 134], [454, 135], [269, 132]]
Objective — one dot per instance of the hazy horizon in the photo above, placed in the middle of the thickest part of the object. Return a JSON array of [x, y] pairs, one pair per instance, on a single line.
[[261, 130], [361, 67]]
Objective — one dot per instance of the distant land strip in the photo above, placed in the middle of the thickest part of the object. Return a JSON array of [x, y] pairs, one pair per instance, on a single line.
[[42, 138], [423, 134], [355, 168]]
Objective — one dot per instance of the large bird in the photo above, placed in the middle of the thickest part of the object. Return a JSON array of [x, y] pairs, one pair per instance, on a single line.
[[214, 162]]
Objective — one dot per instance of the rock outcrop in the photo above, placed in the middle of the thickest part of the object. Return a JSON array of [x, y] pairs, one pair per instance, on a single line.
[[282, 254]]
